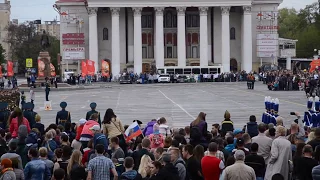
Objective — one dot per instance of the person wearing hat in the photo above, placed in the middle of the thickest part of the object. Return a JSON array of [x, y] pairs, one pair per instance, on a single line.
[[80, 128], [308, 113], [7, 172], [29, 114], [316, 115], [93, 106], [227, 124], [63, 116], [4, 115]]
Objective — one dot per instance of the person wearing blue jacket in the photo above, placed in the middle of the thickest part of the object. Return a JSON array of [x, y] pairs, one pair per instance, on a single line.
[[308, 113], [315, 116]]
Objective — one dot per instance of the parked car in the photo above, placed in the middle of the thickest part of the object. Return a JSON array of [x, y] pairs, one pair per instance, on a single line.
[[164, 78], [125, 80], [182, 79]]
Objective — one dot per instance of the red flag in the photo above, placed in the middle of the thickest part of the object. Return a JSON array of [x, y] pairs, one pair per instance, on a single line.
[[90, 67], [52, 70], [9, 68], [84, 69]]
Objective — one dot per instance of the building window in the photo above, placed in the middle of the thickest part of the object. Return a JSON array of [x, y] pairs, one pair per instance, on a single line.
[[169, 20], [146, 21], [105, 34], [233, 33], [192, 20]]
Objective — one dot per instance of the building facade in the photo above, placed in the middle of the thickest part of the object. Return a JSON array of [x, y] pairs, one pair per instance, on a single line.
[[51, 27], [234, 34], [5, 11]]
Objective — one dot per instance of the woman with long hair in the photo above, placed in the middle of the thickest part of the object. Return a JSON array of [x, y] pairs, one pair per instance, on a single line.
[[144, 169], [198, 153], [75, 170], [112, 127], [198, 131], [17, 121]]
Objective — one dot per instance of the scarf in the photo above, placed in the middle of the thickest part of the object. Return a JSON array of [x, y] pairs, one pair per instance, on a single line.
[[5, 170]]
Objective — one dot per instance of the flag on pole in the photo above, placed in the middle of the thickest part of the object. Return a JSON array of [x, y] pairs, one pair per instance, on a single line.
[[133, 131]]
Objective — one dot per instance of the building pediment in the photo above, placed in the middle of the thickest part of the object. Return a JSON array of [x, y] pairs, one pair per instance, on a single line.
[[166, 3]]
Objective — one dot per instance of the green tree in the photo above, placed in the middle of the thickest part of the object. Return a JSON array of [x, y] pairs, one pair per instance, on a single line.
[[2, 55], [25, 43]]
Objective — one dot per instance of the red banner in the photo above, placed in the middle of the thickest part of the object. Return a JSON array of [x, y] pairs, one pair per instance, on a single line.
[[90, 67], [41, 67], [1, 75], [105, 68], [52, 70], [314, 64], [84, 69], [9, 68], [73, 38]]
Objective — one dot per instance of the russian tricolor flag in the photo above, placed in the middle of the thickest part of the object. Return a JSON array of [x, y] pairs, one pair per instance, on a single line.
[[133, 131]]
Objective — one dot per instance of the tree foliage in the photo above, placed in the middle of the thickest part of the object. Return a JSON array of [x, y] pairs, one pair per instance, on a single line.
[[303, 25], [25, 43]]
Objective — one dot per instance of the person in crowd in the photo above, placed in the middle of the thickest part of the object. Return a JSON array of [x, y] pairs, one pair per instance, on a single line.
[[193, 167], [58, 174], [43, 152], [155, 167], [7, 172], [198, 131], [252, 126], [19, 172], [303, 166], [82, 122], [168, 171], [12, 154], [36, 169], [65, 158], [86, 152], [157, 139], [239, 170], [39, 125], [50, 143], [230, 144], [164, 129], [240, 146], [86, 133], [149, 128], [158, 154], [263, 142], [211, 165], [247, 140], [75, 170], [280, 155], [178, 162], [226, 124], [101, 166], [17, 121], [112, 127], [130, 173], [256, 162], [63, 116], [117, 152], [316, 141], [64, 140], [198, 153], [98, 137], [144, 166], [137, 155]]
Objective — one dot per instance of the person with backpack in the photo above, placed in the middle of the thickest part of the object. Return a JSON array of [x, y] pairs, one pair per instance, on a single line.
[[198, 131]]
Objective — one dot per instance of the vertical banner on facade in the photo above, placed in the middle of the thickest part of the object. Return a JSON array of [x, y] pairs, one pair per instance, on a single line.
[[90, 67], [41, 67], [52, 70], [84, 69], [9, 68], [105, 68]]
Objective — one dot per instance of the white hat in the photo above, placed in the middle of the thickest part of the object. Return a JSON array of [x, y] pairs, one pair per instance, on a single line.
[[95, 128], [82, 121]]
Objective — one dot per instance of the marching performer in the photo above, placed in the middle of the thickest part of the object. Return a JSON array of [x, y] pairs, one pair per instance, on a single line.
[[308, 113], [276, 111], [315, 116], [265, 114], [271, 114]]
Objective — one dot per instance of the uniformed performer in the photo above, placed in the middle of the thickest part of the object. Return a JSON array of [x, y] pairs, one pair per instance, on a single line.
[[63, 116], [47, 88], [271, 118], [265, 114], [276, 111], [29, 114], [308, 113], [23, 99], [268, 115], [93, 106], [4, 115], [315, 116]]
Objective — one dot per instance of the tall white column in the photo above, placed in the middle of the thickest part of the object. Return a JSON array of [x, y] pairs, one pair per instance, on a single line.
[[115, 62], [203, 12], [137, 43], [159, 37], [247, 39], [93, 40], [225, 38], [181, 36], [288, 63]]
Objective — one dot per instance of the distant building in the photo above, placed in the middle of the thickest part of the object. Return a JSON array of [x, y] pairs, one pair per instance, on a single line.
[[5, 11], [51, 27]]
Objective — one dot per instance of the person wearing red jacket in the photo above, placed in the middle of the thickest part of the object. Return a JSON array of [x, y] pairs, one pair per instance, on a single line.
[[80, 128], [18, 120]]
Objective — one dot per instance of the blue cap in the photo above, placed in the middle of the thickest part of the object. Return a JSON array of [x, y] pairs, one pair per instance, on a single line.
[[63, 104], [309, 103], [237, 131], [93, 105]]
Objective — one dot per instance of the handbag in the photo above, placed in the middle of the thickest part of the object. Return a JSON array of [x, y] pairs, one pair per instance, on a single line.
[[122, 133]]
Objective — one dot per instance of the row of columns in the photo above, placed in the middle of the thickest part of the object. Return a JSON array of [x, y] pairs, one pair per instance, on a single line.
[[159, 51]]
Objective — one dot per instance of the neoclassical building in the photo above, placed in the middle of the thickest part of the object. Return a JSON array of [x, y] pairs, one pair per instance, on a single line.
[[232, 34]]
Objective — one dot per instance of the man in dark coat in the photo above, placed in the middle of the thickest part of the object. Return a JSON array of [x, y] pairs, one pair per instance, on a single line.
[[63, 116], [4, 115], [93, 106], [168, 172], [29, 114]]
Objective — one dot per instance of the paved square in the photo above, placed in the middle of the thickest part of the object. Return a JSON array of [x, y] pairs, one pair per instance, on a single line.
[[179, 103]]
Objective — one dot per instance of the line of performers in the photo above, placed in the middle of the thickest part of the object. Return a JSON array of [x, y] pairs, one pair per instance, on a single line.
[[272, 109], [312, 116]]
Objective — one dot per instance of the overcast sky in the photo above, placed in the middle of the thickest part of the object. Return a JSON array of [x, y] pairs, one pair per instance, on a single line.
[[25, 10]]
